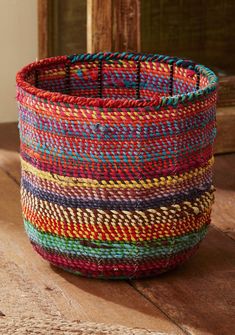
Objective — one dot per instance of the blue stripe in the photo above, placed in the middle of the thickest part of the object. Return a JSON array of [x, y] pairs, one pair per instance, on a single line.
[[116, 132], [140, 204]]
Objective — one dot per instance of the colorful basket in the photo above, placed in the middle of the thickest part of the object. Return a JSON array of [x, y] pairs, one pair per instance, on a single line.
[[116, 152]]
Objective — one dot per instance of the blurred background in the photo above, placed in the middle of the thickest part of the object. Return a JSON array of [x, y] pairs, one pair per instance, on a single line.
[[201, 30]]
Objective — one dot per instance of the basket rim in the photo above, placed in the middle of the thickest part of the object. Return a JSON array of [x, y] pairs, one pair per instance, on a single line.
[[57, 97]]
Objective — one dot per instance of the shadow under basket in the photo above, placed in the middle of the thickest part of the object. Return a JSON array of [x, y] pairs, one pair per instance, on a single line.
[[116, 153]]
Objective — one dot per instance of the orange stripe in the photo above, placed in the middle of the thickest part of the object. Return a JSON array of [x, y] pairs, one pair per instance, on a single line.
[[104, 232]]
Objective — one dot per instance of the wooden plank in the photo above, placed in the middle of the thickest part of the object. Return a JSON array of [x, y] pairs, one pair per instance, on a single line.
[[126, 25], [226, 95], [43, 18], [225, 139], [69, 27], [99, 23], [59, 25], [191, 29], [223, 214], [9, 150], [9, 136], [55, 292], [113, 25], [10, 164], [199, 295]]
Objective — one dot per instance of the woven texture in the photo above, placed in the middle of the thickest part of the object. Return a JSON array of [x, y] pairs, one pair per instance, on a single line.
[[116, 161], [58, 326]]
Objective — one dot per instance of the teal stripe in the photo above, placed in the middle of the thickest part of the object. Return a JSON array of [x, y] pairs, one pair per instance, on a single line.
[[133, 154], [73, 247]]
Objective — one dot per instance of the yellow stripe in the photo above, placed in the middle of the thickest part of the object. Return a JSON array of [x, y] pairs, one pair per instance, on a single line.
[[85, 216], [85, 182]]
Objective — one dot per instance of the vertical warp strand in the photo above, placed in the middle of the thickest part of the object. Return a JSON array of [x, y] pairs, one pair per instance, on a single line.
[[67, 78], [171, 79], [138, 81]]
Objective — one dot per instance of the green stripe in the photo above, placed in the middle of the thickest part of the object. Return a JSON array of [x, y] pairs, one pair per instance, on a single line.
[[110, 250]]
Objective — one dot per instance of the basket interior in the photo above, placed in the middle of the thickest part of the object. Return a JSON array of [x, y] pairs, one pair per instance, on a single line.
[[117, 79]]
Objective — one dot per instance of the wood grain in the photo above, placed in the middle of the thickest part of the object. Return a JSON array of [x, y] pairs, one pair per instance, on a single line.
[[10, 164], [202, 30], [43, 18], [126, 25], [61, 27], [9, 149], [113, 25], [226, 96], [99, 25], [223, 214], [9, 136], [69, 27], [225, 139], [199, 295]]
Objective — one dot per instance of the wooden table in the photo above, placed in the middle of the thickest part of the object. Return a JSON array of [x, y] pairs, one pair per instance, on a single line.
[[197, 298]]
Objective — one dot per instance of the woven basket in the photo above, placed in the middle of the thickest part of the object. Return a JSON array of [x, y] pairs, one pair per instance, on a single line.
[[116, 152]]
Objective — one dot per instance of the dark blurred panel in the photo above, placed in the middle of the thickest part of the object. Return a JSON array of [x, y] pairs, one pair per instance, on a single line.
[[67, 28], [203, 30]]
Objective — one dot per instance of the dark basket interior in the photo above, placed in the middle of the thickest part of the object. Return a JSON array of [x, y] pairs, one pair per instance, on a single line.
[[117, 79]]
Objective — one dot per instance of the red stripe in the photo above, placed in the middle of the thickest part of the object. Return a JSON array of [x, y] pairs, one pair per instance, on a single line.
[[150, 116], [117, 270], [94, 170], [115, 232]]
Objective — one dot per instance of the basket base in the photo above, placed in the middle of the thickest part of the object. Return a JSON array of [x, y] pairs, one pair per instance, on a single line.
[[157, 267], [124, 277]]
